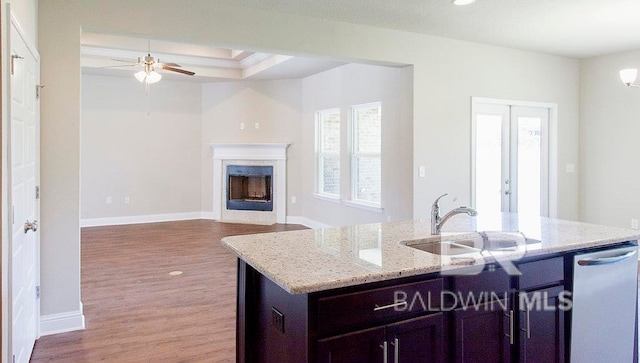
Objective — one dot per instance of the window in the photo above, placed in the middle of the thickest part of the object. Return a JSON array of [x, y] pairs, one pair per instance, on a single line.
[[328, 152], [366, 153]]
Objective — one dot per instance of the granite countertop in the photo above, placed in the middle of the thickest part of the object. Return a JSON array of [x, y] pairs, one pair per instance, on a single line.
[[314, 260]]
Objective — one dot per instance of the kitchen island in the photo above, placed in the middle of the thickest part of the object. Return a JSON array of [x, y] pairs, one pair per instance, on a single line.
[[363, 293]]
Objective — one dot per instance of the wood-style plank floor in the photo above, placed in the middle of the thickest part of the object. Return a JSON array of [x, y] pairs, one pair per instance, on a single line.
[[136, 311]]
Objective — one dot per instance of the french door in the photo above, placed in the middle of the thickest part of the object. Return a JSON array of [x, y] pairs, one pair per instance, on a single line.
[[510, 159]]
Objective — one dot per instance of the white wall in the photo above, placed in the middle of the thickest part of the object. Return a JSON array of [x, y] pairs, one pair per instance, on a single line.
[[609, 146], [446, 74], [143, 147], [274, 105], [342, 88]]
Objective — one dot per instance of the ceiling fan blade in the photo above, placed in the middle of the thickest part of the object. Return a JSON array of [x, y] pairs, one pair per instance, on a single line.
[[124, 60], [165, 64], [124, 65], [188, 73]]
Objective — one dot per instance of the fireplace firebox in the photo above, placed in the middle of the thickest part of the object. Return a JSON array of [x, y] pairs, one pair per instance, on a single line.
[[249, 187]]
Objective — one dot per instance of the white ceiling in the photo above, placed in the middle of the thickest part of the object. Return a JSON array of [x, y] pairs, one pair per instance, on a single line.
[[575, 28], [112, 55]]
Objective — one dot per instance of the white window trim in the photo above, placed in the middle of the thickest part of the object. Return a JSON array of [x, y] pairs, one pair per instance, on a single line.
[[371, 207], [353, 201], [327, 198], [320, 155]]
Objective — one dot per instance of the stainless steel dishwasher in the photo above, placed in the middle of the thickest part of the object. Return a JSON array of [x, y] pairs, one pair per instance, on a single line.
[[605, 285]]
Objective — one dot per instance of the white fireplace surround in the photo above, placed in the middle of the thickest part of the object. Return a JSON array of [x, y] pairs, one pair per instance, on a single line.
[[274, 154]]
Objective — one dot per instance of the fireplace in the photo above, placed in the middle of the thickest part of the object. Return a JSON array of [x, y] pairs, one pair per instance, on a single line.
[[249, 187], [256, 194]]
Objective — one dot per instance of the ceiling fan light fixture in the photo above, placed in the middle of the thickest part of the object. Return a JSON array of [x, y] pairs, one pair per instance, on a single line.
[[628, 76], [153, 77], [140, 76], [463, 2]]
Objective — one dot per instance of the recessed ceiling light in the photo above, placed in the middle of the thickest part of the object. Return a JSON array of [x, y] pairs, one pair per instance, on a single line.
[[463, 2]]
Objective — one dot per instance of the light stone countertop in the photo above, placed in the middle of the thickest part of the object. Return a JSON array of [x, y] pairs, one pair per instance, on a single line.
[[314, 260]]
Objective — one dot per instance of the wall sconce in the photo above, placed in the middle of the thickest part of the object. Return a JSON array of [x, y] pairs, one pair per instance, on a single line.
[[628, 77]]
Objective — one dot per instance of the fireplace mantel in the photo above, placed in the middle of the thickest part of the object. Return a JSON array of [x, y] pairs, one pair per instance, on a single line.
[[274, 154], [273, 151]]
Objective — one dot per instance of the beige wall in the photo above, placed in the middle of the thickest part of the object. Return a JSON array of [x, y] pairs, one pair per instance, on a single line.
[[274, 105], [342, 88], [609, 129], [446, 74], [143, 147]]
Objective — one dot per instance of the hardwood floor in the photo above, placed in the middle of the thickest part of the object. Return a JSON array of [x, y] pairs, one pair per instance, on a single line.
[[137, 312]]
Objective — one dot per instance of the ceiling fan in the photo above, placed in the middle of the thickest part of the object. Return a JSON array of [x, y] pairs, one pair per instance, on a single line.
[[151, 64]]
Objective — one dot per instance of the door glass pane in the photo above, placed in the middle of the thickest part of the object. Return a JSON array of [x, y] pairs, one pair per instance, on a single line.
[[529, 131], [488, 164]]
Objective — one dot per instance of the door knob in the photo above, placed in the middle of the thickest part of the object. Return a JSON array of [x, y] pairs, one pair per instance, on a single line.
[[33, 226]]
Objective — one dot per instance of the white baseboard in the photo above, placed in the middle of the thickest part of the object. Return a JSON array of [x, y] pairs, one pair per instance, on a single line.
[[62, 322], [151, 218], [305, 222], [154, 218], [207, 215]]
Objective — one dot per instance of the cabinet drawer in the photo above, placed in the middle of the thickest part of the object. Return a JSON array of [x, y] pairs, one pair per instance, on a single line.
[[356, 310], [487, 285], [540, 273]]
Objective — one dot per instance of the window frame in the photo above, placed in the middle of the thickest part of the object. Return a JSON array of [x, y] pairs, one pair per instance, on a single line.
[[355, 155], [320, 154]]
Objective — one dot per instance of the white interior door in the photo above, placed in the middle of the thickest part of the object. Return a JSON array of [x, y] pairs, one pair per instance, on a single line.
[[24, 178], [511, 159]]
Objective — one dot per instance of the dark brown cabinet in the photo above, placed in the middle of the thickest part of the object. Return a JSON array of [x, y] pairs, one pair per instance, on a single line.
[[526, 325], [414, 340], [542, 334], [482, 332]]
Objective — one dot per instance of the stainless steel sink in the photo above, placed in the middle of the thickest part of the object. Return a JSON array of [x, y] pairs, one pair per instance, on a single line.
[[469, 244], [445, 248]]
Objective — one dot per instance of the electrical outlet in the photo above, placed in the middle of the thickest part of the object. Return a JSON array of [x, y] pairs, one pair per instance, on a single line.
[[422, 172], [634, 223], [570, 168], [277, 320], [241, 125], [126, 200], [293, 199], [108, 200]]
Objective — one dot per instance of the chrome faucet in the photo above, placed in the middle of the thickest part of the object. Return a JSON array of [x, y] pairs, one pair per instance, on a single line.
[[437, 221]]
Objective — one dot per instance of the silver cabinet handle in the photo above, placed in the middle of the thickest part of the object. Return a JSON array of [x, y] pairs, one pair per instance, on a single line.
[[527, 328], [396, 348], [383, 307], [510, 335], [384, 352], [30, 226], [606, 260]]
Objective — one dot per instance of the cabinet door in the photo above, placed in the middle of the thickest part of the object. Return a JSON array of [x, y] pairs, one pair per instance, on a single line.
[[483, 332], [542, 326], [364, 346], [417, 340]]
